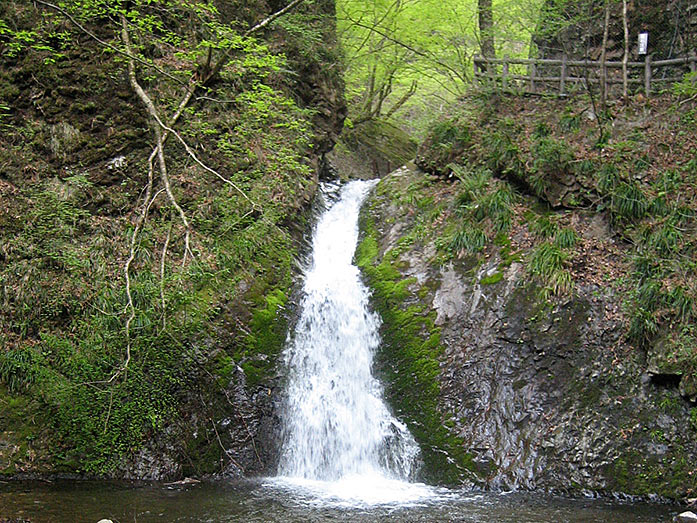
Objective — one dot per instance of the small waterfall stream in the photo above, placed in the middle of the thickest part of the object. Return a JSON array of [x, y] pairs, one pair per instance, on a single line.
[[339, 435]]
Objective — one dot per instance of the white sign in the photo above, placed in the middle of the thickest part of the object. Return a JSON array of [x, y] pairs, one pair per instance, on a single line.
[[643, 43]]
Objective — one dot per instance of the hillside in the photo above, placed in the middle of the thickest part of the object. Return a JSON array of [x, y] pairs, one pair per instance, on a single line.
[[142, 302], [538, 289]]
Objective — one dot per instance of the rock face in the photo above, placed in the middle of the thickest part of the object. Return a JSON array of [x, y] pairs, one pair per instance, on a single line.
[[670, 26], [541, 394], [198, 395]]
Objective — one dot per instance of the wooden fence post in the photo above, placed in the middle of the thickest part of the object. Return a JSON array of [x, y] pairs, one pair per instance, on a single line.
[[562, 76], [532, 76], [504, 78], [647, 75]]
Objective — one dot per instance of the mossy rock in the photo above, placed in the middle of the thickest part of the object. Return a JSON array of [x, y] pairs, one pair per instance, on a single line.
[[408, 360]]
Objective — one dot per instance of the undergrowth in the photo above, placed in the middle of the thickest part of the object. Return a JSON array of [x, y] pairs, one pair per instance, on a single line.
[[642, 179], [75, 168]]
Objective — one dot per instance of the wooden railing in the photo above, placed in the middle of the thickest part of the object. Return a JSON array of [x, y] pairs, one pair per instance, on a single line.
[[576, 72]]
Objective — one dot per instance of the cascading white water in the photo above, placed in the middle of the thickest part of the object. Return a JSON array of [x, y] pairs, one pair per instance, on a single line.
[[338, 429]]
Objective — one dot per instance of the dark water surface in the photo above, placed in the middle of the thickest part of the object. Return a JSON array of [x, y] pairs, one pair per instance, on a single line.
[[263, 501]]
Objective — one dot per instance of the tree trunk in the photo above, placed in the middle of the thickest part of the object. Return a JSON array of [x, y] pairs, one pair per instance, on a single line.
[[486, 28], [603, 57], [625, 57]]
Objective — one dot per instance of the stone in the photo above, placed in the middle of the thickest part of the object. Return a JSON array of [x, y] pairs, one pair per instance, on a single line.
[[535, 394], [686, 517], [63, 139], [116, 163]]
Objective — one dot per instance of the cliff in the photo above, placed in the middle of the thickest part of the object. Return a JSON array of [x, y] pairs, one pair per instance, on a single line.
[[538, 316], [142, 309]]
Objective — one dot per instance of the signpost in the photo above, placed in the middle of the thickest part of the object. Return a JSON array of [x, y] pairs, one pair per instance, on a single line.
[[643, 42]]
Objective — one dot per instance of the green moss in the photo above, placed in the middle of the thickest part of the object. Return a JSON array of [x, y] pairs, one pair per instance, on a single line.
[[22, 427], [224, 367], [381, 140], [491, 280], [266, 338], [672, 475], [62, 335], [409, 360]]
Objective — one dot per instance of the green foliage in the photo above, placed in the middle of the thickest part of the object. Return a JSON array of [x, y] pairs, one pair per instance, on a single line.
[[485, 206], [446, 141], [547, 262], [469, 239], [19, 369], [541, 130], [63, 292], [664, 239], [565, 238], [493, 279], [552, 160], [629, 201], [474, 183], [497, 206], [687, 87], [386, 51], [542, 226], [647, 298], [502, 154], [569, 121]]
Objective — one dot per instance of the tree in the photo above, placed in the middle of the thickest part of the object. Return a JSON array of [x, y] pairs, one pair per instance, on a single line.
[[486, 28]]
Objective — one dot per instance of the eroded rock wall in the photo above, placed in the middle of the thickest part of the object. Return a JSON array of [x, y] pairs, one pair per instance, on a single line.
[[539, 393]]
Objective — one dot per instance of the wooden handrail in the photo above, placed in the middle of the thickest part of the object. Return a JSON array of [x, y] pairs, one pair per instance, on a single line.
[[481, 70], [583, 63]]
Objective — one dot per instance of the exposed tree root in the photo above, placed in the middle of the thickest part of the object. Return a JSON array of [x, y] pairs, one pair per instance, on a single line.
[[127, 269], [226, 451], [240, 415], [161, 132]]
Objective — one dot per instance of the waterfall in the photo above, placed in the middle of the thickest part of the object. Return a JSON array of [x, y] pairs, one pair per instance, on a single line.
[[336, 422]]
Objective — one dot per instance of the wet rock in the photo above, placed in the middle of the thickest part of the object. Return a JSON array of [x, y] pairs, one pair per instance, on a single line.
[[544, 395]]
